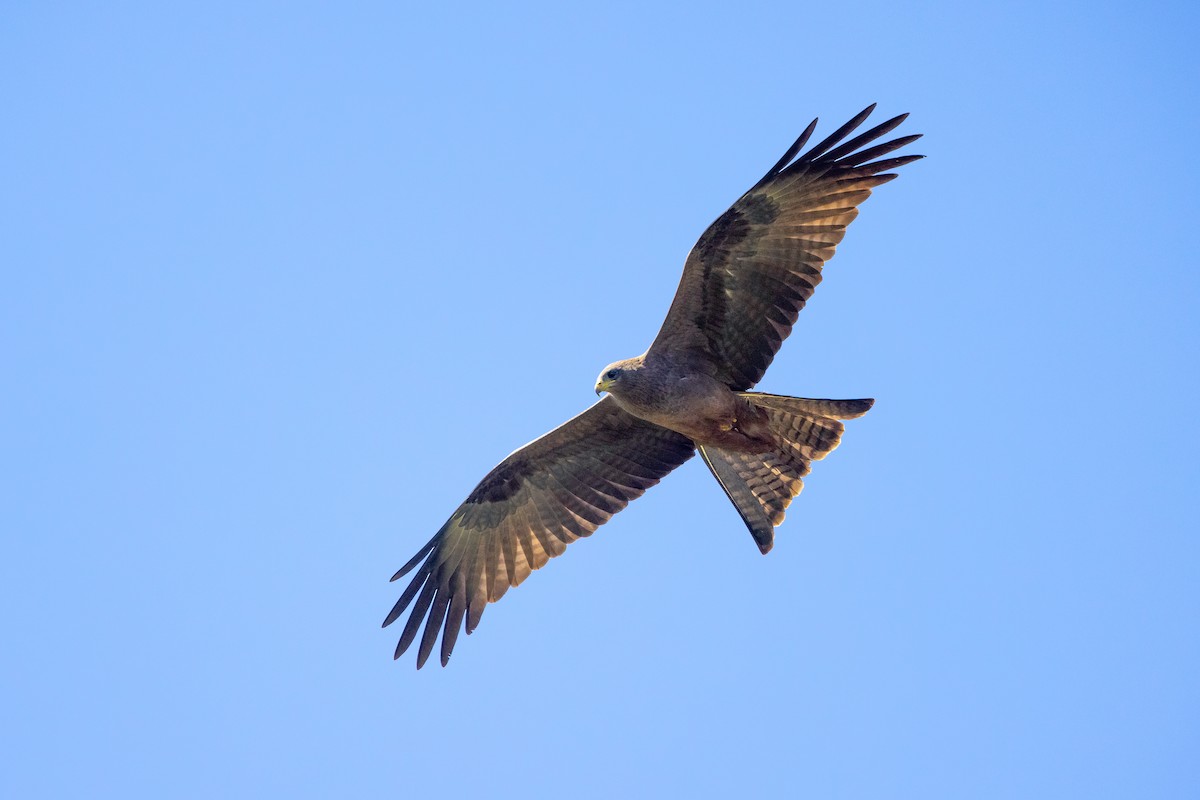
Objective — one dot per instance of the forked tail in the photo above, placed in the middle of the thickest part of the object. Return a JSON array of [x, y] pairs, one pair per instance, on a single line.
[[761, 485]]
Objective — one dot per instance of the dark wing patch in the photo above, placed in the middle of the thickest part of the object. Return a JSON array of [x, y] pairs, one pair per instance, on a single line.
[[526, 511], [752, 271]]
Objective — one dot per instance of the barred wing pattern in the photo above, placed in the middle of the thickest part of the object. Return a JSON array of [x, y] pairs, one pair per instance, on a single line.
[[752, 271], [526, 511]]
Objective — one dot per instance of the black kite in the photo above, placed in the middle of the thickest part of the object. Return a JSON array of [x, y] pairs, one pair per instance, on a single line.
[[743, 286]]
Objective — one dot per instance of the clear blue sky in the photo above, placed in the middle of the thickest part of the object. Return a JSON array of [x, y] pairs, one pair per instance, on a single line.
[[282, 282]]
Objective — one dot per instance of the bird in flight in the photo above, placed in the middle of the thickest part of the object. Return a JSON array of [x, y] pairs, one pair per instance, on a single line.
[[744, 283]]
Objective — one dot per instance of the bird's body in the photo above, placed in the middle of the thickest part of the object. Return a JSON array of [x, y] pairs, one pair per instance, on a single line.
[[743, 285], [685, 398]]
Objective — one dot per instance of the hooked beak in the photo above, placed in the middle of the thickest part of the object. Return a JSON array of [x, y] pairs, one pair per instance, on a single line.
[[602, 386]]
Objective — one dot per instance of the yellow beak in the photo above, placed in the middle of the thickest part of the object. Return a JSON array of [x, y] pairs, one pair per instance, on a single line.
[[602, 386]]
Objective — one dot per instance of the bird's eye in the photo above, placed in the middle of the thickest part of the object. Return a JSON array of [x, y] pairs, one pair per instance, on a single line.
[[612, 374]]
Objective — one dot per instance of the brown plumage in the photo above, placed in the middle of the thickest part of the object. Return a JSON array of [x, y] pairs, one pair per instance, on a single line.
[[743, 286]]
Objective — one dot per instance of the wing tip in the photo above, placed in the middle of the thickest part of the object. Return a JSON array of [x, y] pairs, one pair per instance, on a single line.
[[837, 150]]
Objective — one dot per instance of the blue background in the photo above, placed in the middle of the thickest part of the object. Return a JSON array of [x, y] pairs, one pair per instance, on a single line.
[[283, 281]]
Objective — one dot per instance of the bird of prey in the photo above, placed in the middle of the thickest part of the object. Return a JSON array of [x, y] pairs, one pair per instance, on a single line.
[[744, 283]]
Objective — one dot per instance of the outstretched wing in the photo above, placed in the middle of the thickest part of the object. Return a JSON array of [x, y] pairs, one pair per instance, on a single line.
[[749, 275], [526, 511]]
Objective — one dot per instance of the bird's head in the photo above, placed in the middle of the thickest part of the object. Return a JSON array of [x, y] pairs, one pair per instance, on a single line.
[[612, 375]]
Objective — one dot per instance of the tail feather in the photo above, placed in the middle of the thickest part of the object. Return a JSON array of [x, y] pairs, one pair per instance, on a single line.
[[762, 485], [832, 409]]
